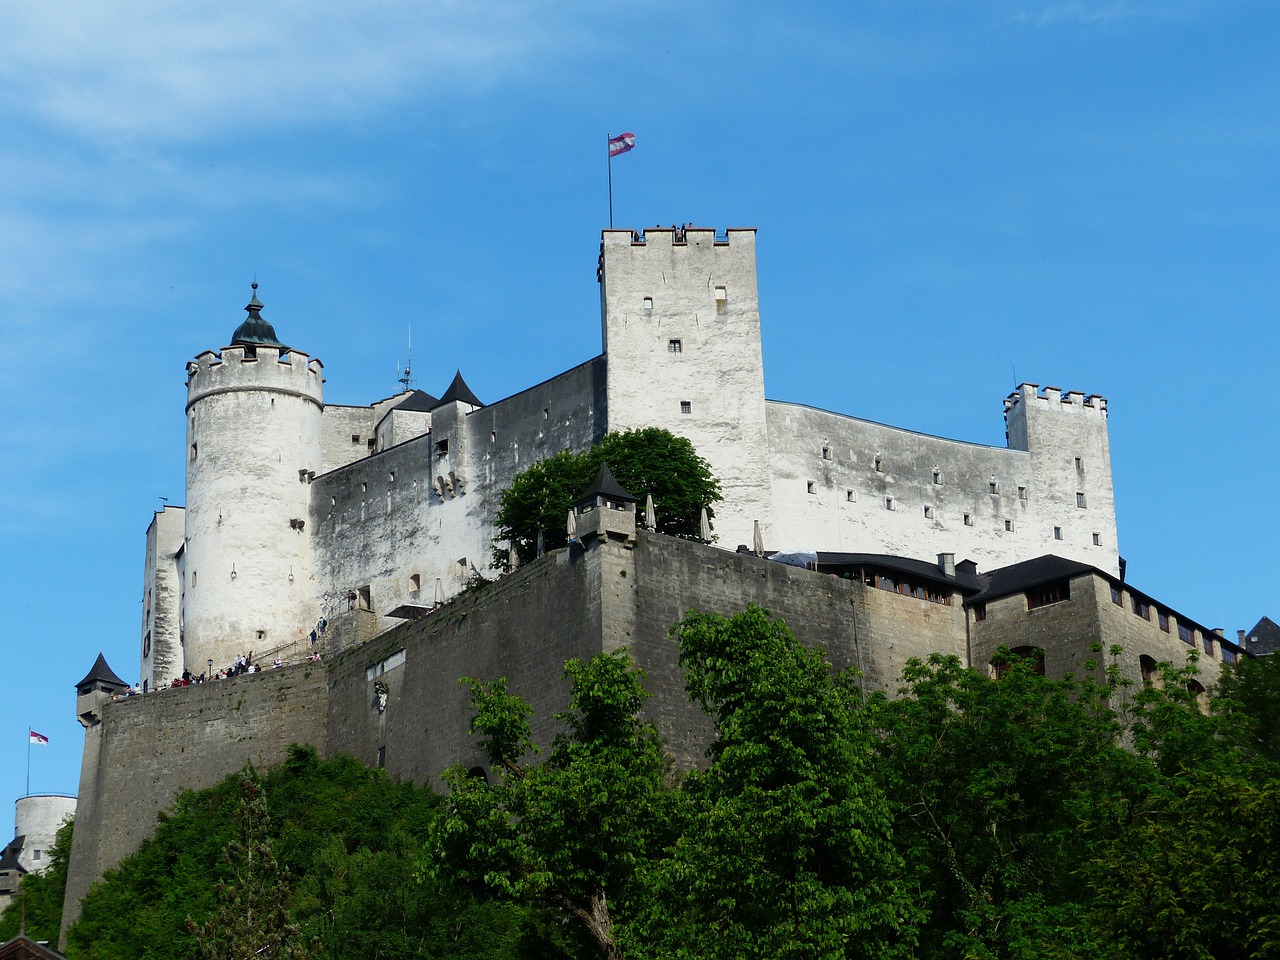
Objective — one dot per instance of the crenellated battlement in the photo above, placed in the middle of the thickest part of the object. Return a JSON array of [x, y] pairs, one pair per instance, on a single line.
[[271, 369], [1053, 398]]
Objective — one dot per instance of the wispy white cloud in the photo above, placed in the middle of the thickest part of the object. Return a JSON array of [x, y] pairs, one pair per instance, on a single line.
[[1103, 12], [148, 69]]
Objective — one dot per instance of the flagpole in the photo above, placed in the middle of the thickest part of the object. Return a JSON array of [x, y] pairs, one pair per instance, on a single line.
[[609, 152], [28, 793]]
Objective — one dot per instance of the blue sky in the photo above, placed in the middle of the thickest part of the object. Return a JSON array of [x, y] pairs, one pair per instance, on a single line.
[[949, 193]]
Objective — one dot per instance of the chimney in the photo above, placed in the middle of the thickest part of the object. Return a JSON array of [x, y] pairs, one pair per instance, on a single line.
[[947, 563], [1240, 637]]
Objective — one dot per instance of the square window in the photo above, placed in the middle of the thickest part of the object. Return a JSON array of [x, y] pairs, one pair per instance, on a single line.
[[442, 447], [648, 303], [848, 495], [979, 611], [811, 486], [1008, 525], [1022, 493], [675, 346], [928, 513], [968, 520], [1057, 533], [686, 406], [993, 487], [355, 438], [888, 503], [1079, 499]]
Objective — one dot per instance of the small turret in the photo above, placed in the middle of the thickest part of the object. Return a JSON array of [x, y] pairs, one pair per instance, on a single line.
[[605, 510], [254, 331], [98, 687]]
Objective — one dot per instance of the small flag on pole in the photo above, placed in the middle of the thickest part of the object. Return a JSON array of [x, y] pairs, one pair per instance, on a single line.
[[621, 144], [39, 738]]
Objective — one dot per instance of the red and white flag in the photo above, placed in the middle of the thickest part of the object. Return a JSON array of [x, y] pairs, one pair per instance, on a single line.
[[39, 738], [621, 144]]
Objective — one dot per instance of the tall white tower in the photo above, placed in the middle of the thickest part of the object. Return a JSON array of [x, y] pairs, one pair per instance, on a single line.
[[681, 331], [253, 445]]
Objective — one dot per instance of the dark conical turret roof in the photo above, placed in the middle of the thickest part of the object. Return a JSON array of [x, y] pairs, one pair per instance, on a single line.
[[458, 390], [101, 673], [255, 331], [604, 485]]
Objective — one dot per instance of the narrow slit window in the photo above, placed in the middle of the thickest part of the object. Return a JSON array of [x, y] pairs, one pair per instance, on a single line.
[[937, 477], [928, 513], [826, 453], [968, 520], [1008, 526], [849, 496], [1057, 533], [722, 299], [889, 503], [811, 486]]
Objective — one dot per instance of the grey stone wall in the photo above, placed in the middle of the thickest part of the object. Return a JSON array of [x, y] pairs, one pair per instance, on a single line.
[[146, 749]]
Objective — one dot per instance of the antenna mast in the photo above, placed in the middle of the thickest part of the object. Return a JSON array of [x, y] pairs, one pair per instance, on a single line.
[[406, 378]]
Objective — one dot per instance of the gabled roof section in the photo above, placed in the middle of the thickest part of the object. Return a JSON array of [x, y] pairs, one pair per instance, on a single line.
[[101, 673], [604, 485], [1017, 577], [459, 391], [419, 401], [1264, 638], [23, 947]]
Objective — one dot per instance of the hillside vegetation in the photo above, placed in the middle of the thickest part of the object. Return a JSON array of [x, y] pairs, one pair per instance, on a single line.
[[968, 817]]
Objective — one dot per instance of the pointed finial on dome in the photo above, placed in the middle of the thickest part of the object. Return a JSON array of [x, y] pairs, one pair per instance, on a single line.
[[254, 331]]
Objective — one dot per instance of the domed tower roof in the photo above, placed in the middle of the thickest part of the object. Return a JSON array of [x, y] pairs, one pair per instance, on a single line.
[[255, 331]]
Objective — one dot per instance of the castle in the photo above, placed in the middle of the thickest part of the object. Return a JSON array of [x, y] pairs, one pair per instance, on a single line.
[[296, 508], [369, 518]]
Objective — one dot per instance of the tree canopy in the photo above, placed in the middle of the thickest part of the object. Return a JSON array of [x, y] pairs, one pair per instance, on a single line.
[[647, 462]]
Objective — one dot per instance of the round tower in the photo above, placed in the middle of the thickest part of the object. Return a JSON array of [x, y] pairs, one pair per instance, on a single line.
[[253, 445]]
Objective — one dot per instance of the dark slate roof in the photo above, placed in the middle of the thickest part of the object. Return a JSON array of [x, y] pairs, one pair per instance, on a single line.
[[923, 569], [23, 947], [255, 331], [1017, 577], [418, 402], [101, 673], [458, 390], [9, 857], [1264, 638], [605, 486]]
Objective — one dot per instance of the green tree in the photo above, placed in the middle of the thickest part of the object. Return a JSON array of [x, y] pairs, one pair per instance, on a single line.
[[43, 895], [1250, 692], [1004, 788], [349, 838], [650, 461], [570, 833], [787, 850], [252, 920], [1193, 872]]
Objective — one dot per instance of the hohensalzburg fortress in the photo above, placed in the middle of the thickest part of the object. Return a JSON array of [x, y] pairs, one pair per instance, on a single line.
[[295, 508]]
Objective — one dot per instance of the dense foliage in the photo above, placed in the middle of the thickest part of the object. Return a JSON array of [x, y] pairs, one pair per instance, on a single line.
[[648, 462], [342, 841], [965, 817], [43, 894]]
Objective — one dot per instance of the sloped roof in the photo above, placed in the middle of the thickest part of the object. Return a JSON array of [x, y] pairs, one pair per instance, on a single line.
[[459, 391], [418, 402], [604, 485], [1018, 577], [23, 947], [101, 673], [1264, 638], [9, 857], [922, 569]]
